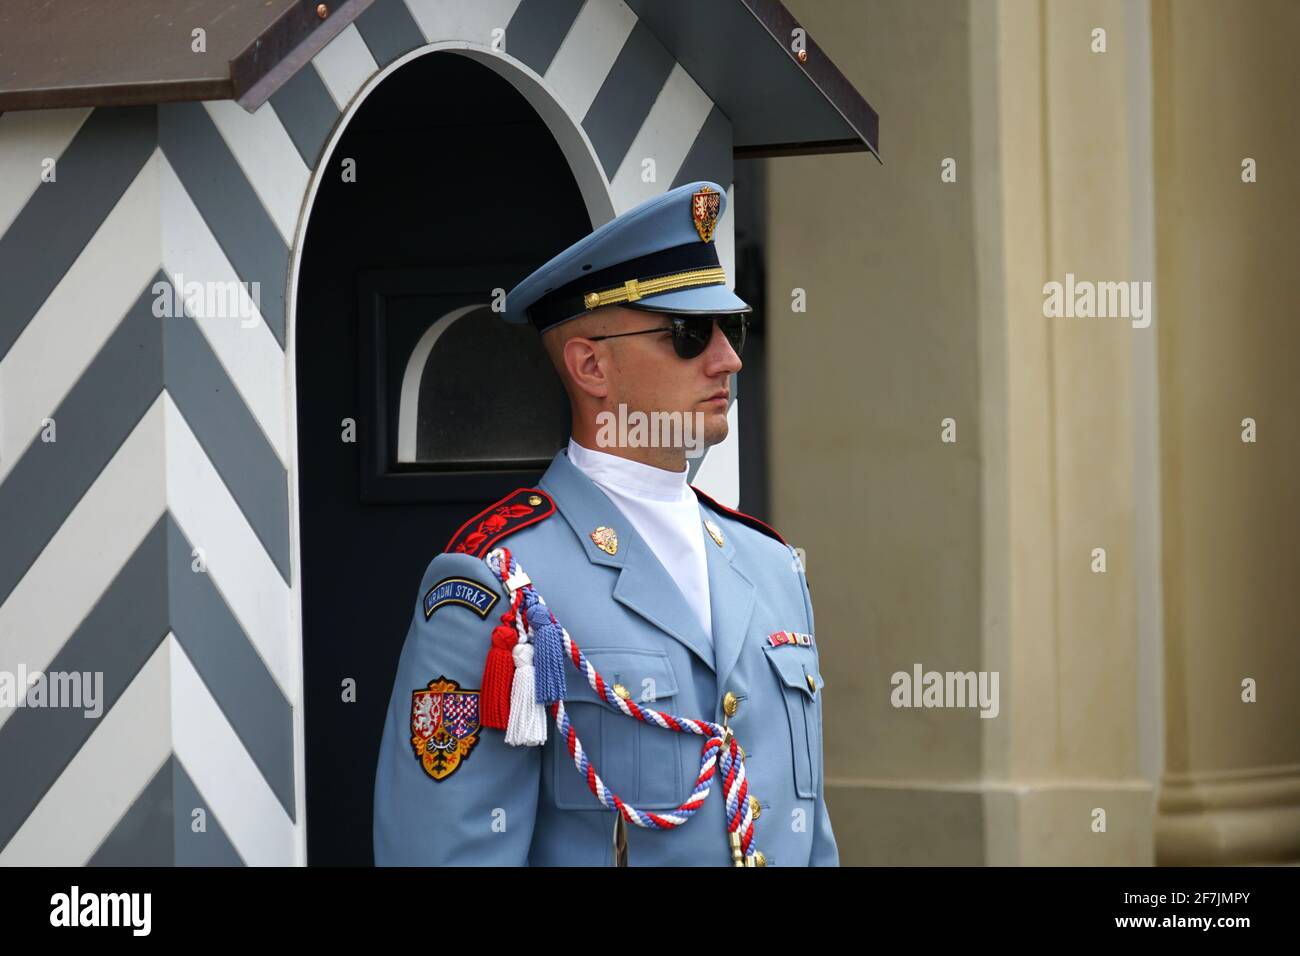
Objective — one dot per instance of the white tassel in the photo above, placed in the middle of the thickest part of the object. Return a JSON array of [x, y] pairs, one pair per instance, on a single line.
[[527, 724]]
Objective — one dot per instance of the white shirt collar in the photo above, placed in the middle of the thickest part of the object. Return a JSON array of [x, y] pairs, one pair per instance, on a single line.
[[630, 477]]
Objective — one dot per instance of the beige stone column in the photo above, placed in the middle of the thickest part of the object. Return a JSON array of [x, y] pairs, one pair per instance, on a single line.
[[1226, 82], [1070, 462]]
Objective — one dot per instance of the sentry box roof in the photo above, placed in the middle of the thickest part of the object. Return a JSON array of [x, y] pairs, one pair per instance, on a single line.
[[65, 53]]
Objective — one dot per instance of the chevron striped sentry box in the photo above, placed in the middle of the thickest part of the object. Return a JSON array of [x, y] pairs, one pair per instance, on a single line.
[[136, 450]]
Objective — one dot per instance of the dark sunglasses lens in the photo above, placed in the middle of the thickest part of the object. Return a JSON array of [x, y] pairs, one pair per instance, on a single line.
[[691, 335], [734, 327]]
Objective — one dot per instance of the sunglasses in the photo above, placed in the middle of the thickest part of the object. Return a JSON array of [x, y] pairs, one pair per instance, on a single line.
[[692, 333]]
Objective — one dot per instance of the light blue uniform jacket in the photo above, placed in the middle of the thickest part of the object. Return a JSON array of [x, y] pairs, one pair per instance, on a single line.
[[514, 806]]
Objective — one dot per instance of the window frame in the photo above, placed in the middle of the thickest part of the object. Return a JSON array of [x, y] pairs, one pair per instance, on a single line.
[[383, 481]]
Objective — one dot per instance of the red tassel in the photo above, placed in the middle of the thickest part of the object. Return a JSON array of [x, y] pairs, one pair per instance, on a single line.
[[499, 673]]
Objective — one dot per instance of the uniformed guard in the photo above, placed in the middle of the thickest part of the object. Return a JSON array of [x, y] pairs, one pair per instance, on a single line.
[[612, 668]]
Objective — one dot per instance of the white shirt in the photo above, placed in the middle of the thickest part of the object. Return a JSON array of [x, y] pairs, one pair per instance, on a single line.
[[665, 513]]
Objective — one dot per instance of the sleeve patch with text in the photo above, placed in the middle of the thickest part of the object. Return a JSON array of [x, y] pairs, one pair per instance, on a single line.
[[460, 591]]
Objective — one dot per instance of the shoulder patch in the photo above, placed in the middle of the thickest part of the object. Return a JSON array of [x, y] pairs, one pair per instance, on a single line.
[[739, 516], [516, 510], [444, 726], [462, 591]]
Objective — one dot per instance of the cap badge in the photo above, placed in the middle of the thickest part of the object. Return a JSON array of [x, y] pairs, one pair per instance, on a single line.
[[606, 539], [705, 205]]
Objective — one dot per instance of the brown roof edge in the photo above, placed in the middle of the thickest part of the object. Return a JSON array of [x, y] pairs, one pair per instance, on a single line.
[[118, 94], [286, 47], [255, 73], [823, 74]]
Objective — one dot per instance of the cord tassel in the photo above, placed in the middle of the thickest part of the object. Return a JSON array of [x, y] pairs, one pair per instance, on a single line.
[[548, 659], [527, 717], [498, 673]]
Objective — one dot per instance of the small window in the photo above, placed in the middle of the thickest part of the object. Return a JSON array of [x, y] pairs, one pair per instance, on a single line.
[[458, 404], [479, 392]]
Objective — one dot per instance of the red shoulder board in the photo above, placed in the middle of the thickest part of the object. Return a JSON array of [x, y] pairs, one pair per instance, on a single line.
[[740, 516], [516, 510]]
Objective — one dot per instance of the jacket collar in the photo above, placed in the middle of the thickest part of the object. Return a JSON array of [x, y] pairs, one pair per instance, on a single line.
[[643, 585]]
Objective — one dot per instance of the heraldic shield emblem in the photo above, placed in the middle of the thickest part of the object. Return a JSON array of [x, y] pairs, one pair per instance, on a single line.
[[444, 726], [705, 205], [606, 539]]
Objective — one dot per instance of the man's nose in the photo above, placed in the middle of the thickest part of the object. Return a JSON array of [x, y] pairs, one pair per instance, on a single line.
[[720, 356]]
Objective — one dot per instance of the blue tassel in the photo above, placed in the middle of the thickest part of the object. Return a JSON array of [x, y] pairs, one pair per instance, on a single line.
[[548, 655]]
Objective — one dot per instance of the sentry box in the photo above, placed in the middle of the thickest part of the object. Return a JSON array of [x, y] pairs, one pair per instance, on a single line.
[[252, 376]]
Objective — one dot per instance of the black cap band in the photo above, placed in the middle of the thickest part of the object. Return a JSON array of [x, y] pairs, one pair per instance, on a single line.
[[567, 301]]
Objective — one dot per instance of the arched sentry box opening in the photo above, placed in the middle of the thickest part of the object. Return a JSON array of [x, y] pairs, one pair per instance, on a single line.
[[417, 404]]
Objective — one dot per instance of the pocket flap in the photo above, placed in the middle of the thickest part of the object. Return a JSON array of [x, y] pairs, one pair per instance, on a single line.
[[647, 673], [794, 664]]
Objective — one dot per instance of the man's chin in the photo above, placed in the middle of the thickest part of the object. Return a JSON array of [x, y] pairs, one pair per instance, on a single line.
[[716, 429]]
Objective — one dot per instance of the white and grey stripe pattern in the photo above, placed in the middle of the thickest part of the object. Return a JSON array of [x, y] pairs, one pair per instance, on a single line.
[[169, 437], [172, 439]]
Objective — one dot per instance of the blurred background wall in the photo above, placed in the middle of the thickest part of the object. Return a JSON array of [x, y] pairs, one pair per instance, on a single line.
[[1065, 501]]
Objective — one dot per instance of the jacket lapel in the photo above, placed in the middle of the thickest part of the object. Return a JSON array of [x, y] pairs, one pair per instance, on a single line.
[[731, 601], [643, 585]]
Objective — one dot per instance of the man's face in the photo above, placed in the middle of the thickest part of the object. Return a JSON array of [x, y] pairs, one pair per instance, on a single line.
[[647, 375]]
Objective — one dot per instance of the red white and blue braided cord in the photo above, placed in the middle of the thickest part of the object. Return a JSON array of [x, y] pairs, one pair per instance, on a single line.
[[721, 753]]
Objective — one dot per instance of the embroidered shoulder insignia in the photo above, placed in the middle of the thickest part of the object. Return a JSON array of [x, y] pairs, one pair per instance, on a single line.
[[460, 591], [444, 726], [516, 510], [739, 516]]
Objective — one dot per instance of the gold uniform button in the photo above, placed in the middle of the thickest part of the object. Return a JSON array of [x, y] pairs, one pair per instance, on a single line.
[[812, 684], [759, 858], [755, 810], [534, 500], [621, 691], [730, 704]]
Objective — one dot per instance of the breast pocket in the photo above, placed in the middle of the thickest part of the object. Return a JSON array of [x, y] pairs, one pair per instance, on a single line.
[[800, 679], [641, 762]]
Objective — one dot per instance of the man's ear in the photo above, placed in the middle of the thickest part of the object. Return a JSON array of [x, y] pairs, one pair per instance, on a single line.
[[582, 362]]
